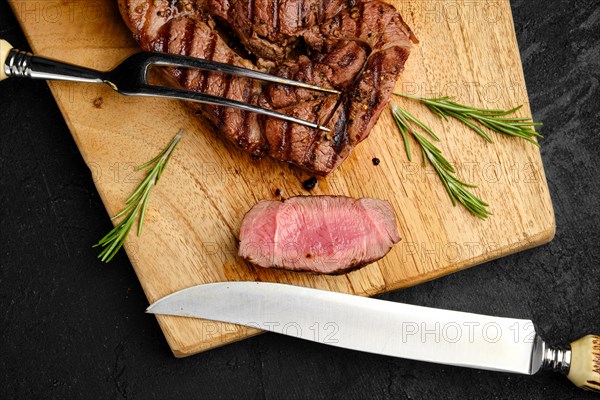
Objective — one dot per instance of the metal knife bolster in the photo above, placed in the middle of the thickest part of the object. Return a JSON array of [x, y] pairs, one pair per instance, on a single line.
[[549, 358], [370, 325]]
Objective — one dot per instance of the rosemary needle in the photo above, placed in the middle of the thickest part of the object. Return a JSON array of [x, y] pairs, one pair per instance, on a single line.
[[457, 189], [137, 203], [495, 120]]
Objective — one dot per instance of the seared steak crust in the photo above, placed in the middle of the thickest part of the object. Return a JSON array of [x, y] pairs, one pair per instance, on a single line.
[[356, 46]]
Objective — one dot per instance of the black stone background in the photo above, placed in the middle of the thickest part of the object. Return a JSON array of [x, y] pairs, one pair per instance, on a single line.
[[74, 328]]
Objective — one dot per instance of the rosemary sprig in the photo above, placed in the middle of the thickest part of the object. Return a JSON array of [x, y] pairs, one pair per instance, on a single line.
[[137, 203], [495, 120], [456, 188]]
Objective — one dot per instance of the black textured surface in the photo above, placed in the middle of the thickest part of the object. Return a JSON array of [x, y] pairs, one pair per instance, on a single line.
[[73, 328]]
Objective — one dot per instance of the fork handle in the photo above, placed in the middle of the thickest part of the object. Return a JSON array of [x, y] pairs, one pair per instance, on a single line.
[[21, 64], [5, 48]]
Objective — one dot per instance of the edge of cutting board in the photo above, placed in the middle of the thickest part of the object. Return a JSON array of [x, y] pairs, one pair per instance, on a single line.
[[544, 233], [534, 241]]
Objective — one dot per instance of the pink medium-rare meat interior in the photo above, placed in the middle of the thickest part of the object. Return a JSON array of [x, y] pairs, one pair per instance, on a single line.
[[321, 234]]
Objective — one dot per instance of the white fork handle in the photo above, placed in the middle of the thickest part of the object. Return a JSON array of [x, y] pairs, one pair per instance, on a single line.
[[5, 48]]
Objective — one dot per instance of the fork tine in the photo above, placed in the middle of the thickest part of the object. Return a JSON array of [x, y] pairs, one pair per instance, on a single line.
[[172, 60], [182, 94]]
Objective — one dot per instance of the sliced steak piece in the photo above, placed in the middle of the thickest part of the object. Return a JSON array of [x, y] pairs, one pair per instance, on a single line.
[[356, 46], [320, 234]]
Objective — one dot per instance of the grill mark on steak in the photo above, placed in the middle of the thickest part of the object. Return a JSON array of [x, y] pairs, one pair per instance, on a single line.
[[375, 94], [317, 135], [340, 136], [350, 88], [162, 44], [339, 19], [316, 111], [356, 46], [201, 77], [243, 139], [379, 22], [222, 111], [250, 14], [361, 23], [286, 140], [208, 54], [301, 22], [275, 9], [244, 134], [212, 44], [188, 36], [146, 18], [320, 13]]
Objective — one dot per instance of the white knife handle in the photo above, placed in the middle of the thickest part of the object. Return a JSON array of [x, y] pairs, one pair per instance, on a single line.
[[585, 363], [5, 48]]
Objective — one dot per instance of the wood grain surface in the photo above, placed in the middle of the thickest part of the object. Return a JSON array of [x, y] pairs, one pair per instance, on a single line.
[[467, 49]]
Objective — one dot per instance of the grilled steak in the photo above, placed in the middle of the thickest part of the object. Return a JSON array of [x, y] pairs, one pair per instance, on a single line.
[[320, 234], [356, 46]]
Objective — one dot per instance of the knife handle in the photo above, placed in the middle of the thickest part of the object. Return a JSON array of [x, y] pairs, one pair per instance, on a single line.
[[585, 363], [5, 48]]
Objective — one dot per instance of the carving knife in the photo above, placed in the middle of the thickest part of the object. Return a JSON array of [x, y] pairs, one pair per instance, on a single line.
[[388, 328]]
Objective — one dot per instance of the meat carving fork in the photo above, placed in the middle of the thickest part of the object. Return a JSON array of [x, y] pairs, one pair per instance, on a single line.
[[130, 77]]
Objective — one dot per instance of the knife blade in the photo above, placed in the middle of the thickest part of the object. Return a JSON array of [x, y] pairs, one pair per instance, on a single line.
[[380, 327]]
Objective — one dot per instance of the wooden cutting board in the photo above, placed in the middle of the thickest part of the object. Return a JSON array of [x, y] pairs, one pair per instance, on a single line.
[[468, 49]]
